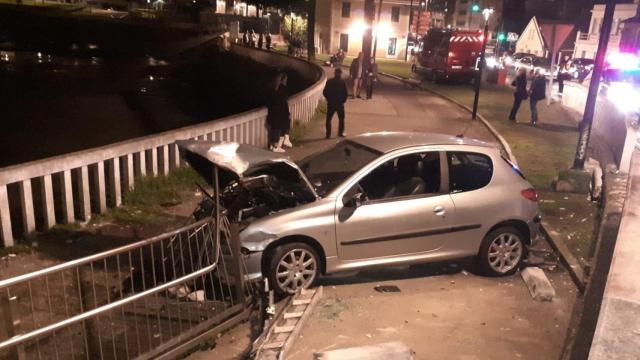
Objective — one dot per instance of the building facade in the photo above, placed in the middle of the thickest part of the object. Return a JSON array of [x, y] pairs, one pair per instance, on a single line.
[[587, 42], [463, 17], [341, 25]]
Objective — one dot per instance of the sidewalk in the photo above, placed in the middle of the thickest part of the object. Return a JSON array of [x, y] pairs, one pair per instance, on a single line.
[[394, 108]]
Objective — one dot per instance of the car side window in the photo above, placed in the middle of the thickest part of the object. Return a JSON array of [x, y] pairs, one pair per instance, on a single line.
[[408, 175], [468, 171]]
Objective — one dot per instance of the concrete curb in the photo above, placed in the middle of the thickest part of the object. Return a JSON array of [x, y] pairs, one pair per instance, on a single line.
[[568, 260], [486, 123]]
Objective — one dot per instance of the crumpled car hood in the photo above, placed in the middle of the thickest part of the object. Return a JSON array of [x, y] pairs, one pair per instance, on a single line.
[[234, 160]]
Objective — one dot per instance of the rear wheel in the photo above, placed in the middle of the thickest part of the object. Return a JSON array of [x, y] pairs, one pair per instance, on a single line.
[[292, 267], [502, 251]]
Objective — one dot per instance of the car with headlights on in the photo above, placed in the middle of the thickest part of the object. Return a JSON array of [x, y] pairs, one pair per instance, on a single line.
[[372, 200]]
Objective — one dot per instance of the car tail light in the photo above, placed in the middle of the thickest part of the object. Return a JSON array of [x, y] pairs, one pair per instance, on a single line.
[[530, 194]]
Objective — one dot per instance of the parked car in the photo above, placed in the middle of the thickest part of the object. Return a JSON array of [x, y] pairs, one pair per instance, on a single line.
[[372, 200], [532, 62], [581, 68]]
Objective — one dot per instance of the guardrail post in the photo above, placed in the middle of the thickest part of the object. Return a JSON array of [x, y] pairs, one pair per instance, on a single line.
[[237, 262], [154, 161], [114, 181], [26, 202], [175, 156], [84, 193], [48, 207], [165, 160], [129, 172], [5, 217], [66, 190], [98, 181]]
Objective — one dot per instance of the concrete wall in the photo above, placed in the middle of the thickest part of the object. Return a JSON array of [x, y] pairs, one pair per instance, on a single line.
[[612, 127], [92, 180]]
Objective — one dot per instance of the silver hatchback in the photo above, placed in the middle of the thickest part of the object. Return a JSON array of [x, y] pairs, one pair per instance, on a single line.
[[372, 200]]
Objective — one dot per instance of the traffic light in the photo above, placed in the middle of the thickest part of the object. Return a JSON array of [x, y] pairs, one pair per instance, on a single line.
[[475, 8], [502, 37]]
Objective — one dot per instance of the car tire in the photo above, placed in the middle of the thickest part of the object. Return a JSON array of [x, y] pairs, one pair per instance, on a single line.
[[502, 251], [292, 266]]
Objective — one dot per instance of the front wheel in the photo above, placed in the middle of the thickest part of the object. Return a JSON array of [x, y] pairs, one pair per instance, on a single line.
[[292, 267], [502, 251]]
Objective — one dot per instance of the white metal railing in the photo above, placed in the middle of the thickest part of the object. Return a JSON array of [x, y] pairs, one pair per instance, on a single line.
[[89, 181]]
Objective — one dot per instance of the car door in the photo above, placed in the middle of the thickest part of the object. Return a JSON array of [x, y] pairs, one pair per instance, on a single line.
[[396, 225], [469, 176]]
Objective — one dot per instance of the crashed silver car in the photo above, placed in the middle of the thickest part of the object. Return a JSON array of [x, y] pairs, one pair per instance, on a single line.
[[372, 200]]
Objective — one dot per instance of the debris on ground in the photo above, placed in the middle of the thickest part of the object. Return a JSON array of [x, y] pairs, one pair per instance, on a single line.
[[386, 288], [538, 284]]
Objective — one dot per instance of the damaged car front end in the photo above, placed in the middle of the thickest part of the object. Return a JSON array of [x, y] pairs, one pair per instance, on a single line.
[[253, 183]]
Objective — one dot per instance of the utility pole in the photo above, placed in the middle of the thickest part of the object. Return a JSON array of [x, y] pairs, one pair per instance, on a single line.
[[375, 39], [406, 50], [367, 37], [594, 87], [487, 13]]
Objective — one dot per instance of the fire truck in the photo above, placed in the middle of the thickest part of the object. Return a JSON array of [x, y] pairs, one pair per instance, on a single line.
[[450, 54]]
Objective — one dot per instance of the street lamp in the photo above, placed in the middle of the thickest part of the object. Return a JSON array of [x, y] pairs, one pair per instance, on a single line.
[[486, 13]]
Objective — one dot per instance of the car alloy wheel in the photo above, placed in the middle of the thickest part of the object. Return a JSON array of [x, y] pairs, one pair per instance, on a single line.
[[296, 268], [505, 252]]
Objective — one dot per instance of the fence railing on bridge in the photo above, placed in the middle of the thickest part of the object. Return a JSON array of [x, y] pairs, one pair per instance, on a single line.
[[70, 187], [138, 301]]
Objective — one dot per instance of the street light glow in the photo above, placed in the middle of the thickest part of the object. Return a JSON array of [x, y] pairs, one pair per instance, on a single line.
[[487, 13], [357, 28], [475, 8]]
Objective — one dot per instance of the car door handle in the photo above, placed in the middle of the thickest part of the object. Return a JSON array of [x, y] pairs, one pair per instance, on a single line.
[[439, 210]]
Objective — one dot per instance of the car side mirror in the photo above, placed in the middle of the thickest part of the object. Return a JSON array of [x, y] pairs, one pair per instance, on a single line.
[[354, 201]]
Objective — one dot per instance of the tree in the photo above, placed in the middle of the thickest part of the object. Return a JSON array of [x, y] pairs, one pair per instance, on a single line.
[[311, 30]]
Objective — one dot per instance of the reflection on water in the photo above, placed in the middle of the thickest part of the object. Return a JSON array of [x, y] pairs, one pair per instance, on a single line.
[[53, 104]]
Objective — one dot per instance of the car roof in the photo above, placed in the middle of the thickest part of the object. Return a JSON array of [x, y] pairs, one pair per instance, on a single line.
[[389, 141]]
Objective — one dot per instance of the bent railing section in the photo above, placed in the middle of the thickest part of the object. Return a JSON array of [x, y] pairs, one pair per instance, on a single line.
[[92, 180], [136, 301]]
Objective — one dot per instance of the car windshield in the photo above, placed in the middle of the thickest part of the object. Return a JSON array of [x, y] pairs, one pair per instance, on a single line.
[[327, 169]]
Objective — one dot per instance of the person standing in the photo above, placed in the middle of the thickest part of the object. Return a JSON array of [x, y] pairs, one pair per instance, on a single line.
[[260, 40], [245, 38], [355, 72], [252, 38], [335, 91], [564, 73], [371, 77], [278, 116], [520, 83], [268, 40], [536, 93]]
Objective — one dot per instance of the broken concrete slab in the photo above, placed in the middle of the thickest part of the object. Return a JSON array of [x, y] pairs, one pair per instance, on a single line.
[[395, 350], [538, 284]]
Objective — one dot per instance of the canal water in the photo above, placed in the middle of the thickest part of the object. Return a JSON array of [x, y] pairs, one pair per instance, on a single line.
[[57, 102]]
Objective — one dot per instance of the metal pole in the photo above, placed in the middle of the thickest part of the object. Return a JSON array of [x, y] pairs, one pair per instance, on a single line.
[[406, 50], [479, 72], [594, 86]]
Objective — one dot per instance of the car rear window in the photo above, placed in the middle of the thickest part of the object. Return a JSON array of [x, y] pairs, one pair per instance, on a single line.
[[468, 171]]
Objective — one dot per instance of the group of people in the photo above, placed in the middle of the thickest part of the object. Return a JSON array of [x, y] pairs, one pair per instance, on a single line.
[[362, 73], [279, 117], [251, 39], [535, 92]]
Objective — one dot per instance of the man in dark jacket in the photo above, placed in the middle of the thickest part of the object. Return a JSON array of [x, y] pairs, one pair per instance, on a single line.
[[520, 93], [335, 91], [536, 93], [371, 77], [356, 72]]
